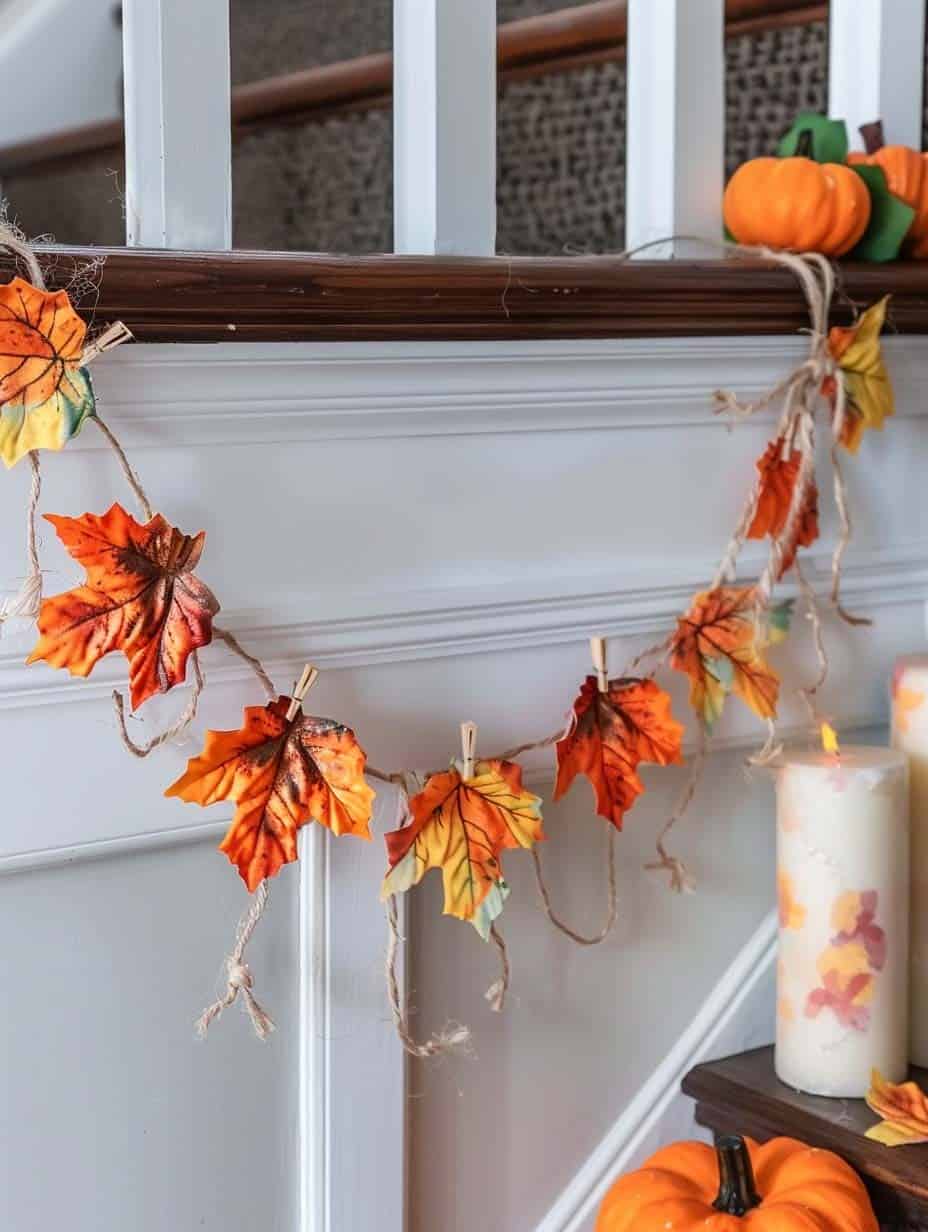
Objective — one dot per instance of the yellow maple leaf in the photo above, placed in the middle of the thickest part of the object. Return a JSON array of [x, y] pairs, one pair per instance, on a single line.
[[857, 352], [462, 826]]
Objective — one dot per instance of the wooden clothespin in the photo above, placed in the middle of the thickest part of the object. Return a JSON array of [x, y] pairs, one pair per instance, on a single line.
[[468, 748], [300, 689], [598, 651]]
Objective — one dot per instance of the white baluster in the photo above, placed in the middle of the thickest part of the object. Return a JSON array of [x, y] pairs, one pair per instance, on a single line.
[[676, 124], [444, 126], [178, 123], [877, 67]]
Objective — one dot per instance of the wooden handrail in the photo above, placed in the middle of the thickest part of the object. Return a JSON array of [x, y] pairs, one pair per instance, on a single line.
[[552, 42], [286, 297]]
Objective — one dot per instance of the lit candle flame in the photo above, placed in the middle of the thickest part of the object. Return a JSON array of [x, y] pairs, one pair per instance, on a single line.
[[830, 739]]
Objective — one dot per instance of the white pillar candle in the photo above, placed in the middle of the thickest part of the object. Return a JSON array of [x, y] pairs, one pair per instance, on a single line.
[[843, 884], [910, 734]]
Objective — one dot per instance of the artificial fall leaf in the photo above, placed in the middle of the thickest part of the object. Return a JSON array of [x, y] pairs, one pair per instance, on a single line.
[[719, 645], [792, 913], [45, 395], [904, 1109], [778, 475], [869, 390], [610, 734], [462, 826], [905, 703], [140, 597], [281, 773]]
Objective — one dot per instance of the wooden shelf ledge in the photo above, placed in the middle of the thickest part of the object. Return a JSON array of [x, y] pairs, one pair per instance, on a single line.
[[743, 1095], [285, 297]]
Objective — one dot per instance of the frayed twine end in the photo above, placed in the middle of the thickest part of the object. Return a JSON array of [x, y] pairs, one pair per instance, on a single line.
[[496, 995], [25, 604]]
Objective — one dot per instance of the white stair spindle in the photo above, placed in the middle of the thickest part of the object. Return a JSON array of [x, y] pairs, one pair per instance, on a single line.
[[178, 123], [676, 125], [877, 67], [444, 126]]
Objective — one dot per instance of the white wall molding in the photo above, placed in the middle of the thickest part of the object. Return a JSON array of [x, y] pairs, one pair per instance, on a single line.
[[413, 625], [633, 1134], [347, 1046], [112, 848], [276, 392]]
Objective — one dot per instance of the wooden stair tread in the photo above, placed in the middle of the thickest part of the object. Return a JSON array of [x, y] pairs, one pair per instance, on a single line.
[[742, 1094]]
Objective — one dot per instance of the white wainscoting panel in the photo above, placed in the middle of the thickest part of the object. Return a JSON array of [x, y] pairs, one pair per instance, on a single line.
[[440, 527]]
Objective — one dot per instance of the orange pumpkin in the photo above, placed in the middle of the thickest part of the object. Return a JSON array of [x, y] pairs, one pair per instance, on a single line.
[[797, 203], [906, 172], [690, 1186]]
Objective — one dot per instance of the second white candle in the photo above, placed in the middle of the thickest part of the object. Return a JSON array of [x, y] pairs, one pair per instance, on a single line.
[[843, 870]]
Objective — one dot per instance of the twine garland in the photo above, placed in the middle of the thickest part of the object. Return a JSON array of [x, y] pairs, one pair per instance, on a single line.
[[800, 393]]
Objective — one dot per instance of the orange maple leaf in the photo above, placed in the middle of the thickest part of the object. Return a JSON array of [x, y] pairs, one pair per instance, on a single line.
[[778, 475], [904, 1109], [462, 825], [719, 646], [610, 735], [281, 773], [141, 597]]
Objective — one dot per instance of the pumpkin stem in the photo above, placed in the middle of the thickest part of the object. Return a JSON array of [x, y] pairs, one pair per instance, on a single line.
[[737, 1191], [805, 144], [873, 136]]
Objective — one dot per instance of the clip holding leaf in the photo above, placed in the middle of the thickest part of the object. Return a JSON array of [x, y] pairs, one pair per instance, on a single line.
[[308, 678], [598, 651], [468, 749]]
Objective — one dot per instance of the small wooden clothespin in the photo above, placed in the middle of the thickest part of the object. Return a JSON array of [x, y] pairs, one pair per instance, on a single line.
[[598, 651], [300, 689], [468, 748]]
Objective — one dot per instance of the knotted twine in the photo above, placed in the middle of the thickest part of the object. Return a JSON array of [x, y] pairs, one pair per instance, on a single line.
[[238, 974]]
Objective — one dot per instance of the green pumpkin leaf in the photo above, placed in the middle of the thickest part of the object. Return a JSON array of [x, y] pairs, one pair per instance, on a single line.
[[829, 138], [890, 219]]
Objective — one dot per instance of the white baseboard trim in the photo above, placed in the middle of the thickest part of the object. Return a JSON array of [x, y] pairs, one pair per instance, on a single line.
[[623, 1144]]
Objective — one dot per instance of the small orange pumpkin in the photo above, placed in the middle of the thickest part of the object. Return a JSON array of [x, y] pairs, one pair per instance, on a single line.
[[906, 172], [690, 1186], [797, 203]]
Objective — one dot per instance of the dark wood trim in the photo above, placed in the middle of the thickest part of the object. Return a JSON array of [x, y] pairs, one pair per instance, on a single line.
[[552, 42], [794, 13], [245, 296], [742, 1095]]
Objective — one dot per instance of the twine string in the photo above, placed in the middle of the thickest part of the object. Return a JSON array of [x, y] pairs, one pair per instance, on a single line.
[[12, 238], [238, 974], [452, 1037], [681, 880], [230, 640], [27, 601], [612, 908], [174, 729], [131, 477], [809, 693], [498, 990]]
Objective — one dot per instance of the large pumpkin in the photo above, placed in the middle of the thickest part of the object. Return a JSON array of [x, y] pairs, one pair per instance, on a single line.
[[690, 1186], [906, 172], [797, 203]]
